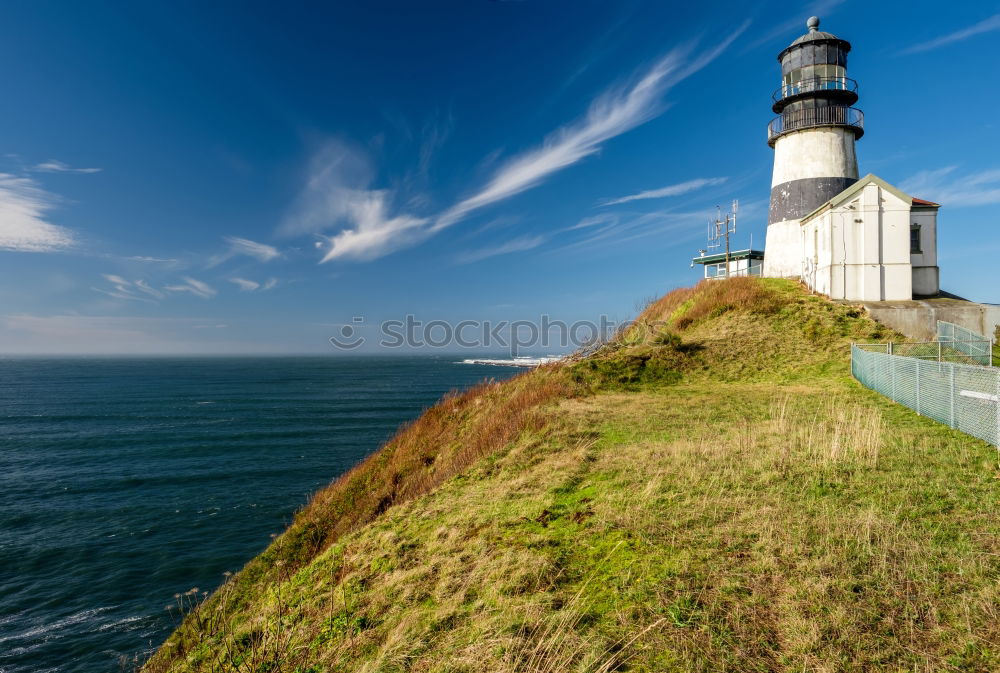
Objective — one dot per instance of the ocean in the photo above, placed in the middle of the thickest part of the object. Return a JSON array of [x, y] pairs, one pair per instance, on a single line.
[[125, 481]]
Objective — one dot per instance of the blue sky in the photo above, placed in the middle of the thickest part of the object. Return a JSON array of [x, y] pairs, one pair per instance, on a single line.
[[247, 177]]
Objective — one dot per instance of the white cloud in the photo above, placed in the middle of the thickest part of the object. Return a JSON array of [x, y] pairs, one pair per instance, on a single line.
[[949, 189], [193, 286], [666, 227], [515, 245], [611, 114], [244, 246], [142, 286], [594, 221], [244, 284], [23, 227], [56, 166], [247, 285], [160, 260], [121, 294], [670, 190], [375, 233], [124, 289], [985, 26], [337, 194], [247, 248], [338, 190]]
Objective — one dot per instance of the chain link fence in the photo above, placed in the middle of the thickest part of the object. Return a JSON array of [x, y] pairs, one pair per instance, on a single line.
[[932, 379], [978, 347]]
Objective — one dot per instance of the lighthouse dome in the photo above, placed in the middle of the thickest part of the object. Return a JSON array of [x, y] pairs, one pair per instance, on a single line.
[[814, 33]]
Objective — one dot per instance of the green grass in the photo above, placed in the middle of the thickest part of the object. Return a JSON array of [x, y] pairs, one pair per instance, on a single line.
[[712, 492]]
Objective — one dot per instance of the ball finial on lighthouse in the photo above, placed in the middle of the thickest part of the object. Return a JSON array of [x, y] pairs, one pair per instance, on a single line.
[[813, 24]]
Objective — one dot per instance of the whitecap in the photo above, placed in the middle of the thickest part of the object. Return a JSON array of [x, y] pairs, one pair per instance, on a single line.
[[44, 630]]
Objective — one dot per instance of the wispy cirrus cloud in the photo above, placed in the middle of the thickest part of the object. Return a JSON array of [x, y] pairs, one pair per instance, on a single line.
[[247, 285], [594, 221], [338, 191], [621, 228], [950, 189], [987, 25], [144, 287], [519, 244], [611, 114], [56, 166], [244, 247], [244, 284], [158, 260], [193, 286], [23, 223], [121, 288], [669, 190]]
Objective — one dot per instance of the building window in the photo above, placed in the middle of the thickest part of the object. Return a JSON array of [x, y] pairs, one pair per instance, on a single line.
[[915, 239]]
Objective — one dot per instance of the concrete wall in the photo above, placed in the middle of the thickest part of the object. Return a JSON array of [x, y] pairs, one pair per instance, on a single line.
[[917, 319], [860, 249]]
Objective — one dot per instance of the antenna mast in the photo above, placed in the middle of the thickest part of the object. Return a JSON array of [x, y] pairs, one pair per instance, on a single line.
[[720, 230]]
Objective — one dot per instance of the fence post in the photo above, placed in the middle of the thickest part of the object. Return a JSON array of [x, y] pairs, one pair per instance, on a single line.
[[916, 365], [997, 420], [892, 369], [939, 351], [952, 397]]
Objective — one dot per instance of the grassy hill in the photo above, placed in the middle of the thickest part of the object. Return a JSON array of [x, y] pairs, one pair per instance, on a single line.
[[709, 492]]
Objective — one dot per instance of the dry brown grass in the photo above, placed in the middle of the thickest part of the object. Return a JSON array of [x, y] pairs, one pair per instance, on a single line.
[[683, 307]]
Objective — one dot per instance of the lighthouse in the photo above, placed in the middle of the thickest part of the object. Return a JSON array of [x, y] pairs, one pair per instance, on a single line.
[[813, 139]]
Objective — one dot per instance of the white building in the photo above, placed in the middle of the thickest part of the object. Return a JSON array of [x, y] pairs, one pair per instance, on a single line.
[[852, 239], [871, 242], [741, 263]]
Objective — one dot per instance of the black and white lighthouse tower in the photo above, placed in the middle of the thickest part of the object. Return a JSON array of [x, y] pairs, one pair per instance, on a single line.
[[813, 139]]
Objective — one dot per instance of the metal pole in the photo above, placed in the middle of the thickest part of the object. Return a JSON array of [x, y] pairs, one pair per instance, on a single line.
[[727, 247], [939, 351], [952, 397], [916, 364], [892, 366]]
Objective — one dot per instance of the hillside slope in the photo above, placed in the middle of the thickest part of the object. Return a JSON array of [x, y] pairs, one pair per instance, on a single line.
[[710, 492]]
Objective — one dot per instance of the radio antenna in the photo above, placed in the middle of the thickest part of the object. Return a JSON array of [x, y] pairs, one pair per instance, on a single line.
[[720, 230]]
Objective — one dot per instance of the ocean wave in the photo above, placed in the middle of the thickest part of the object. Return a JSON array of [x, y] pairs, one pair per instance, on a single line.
[[58, 625]]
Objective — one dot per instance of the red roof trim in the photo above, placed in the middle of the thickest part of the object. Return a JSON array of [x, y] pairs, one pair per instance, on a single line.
[[921, 202]]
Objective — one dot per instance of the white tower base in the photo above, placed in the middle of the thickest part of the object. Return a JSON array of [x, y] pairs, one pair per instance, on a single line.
[[783, 250]]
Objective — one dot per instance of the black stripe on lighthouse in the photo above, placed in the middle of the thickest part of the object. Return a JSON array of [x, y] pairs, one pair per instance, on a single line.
[[795, 199]]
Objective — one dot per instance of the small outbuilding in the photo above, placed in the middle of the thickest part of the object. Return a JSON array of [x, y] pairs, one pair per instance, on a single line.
[[741, 263], [871, 242]]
